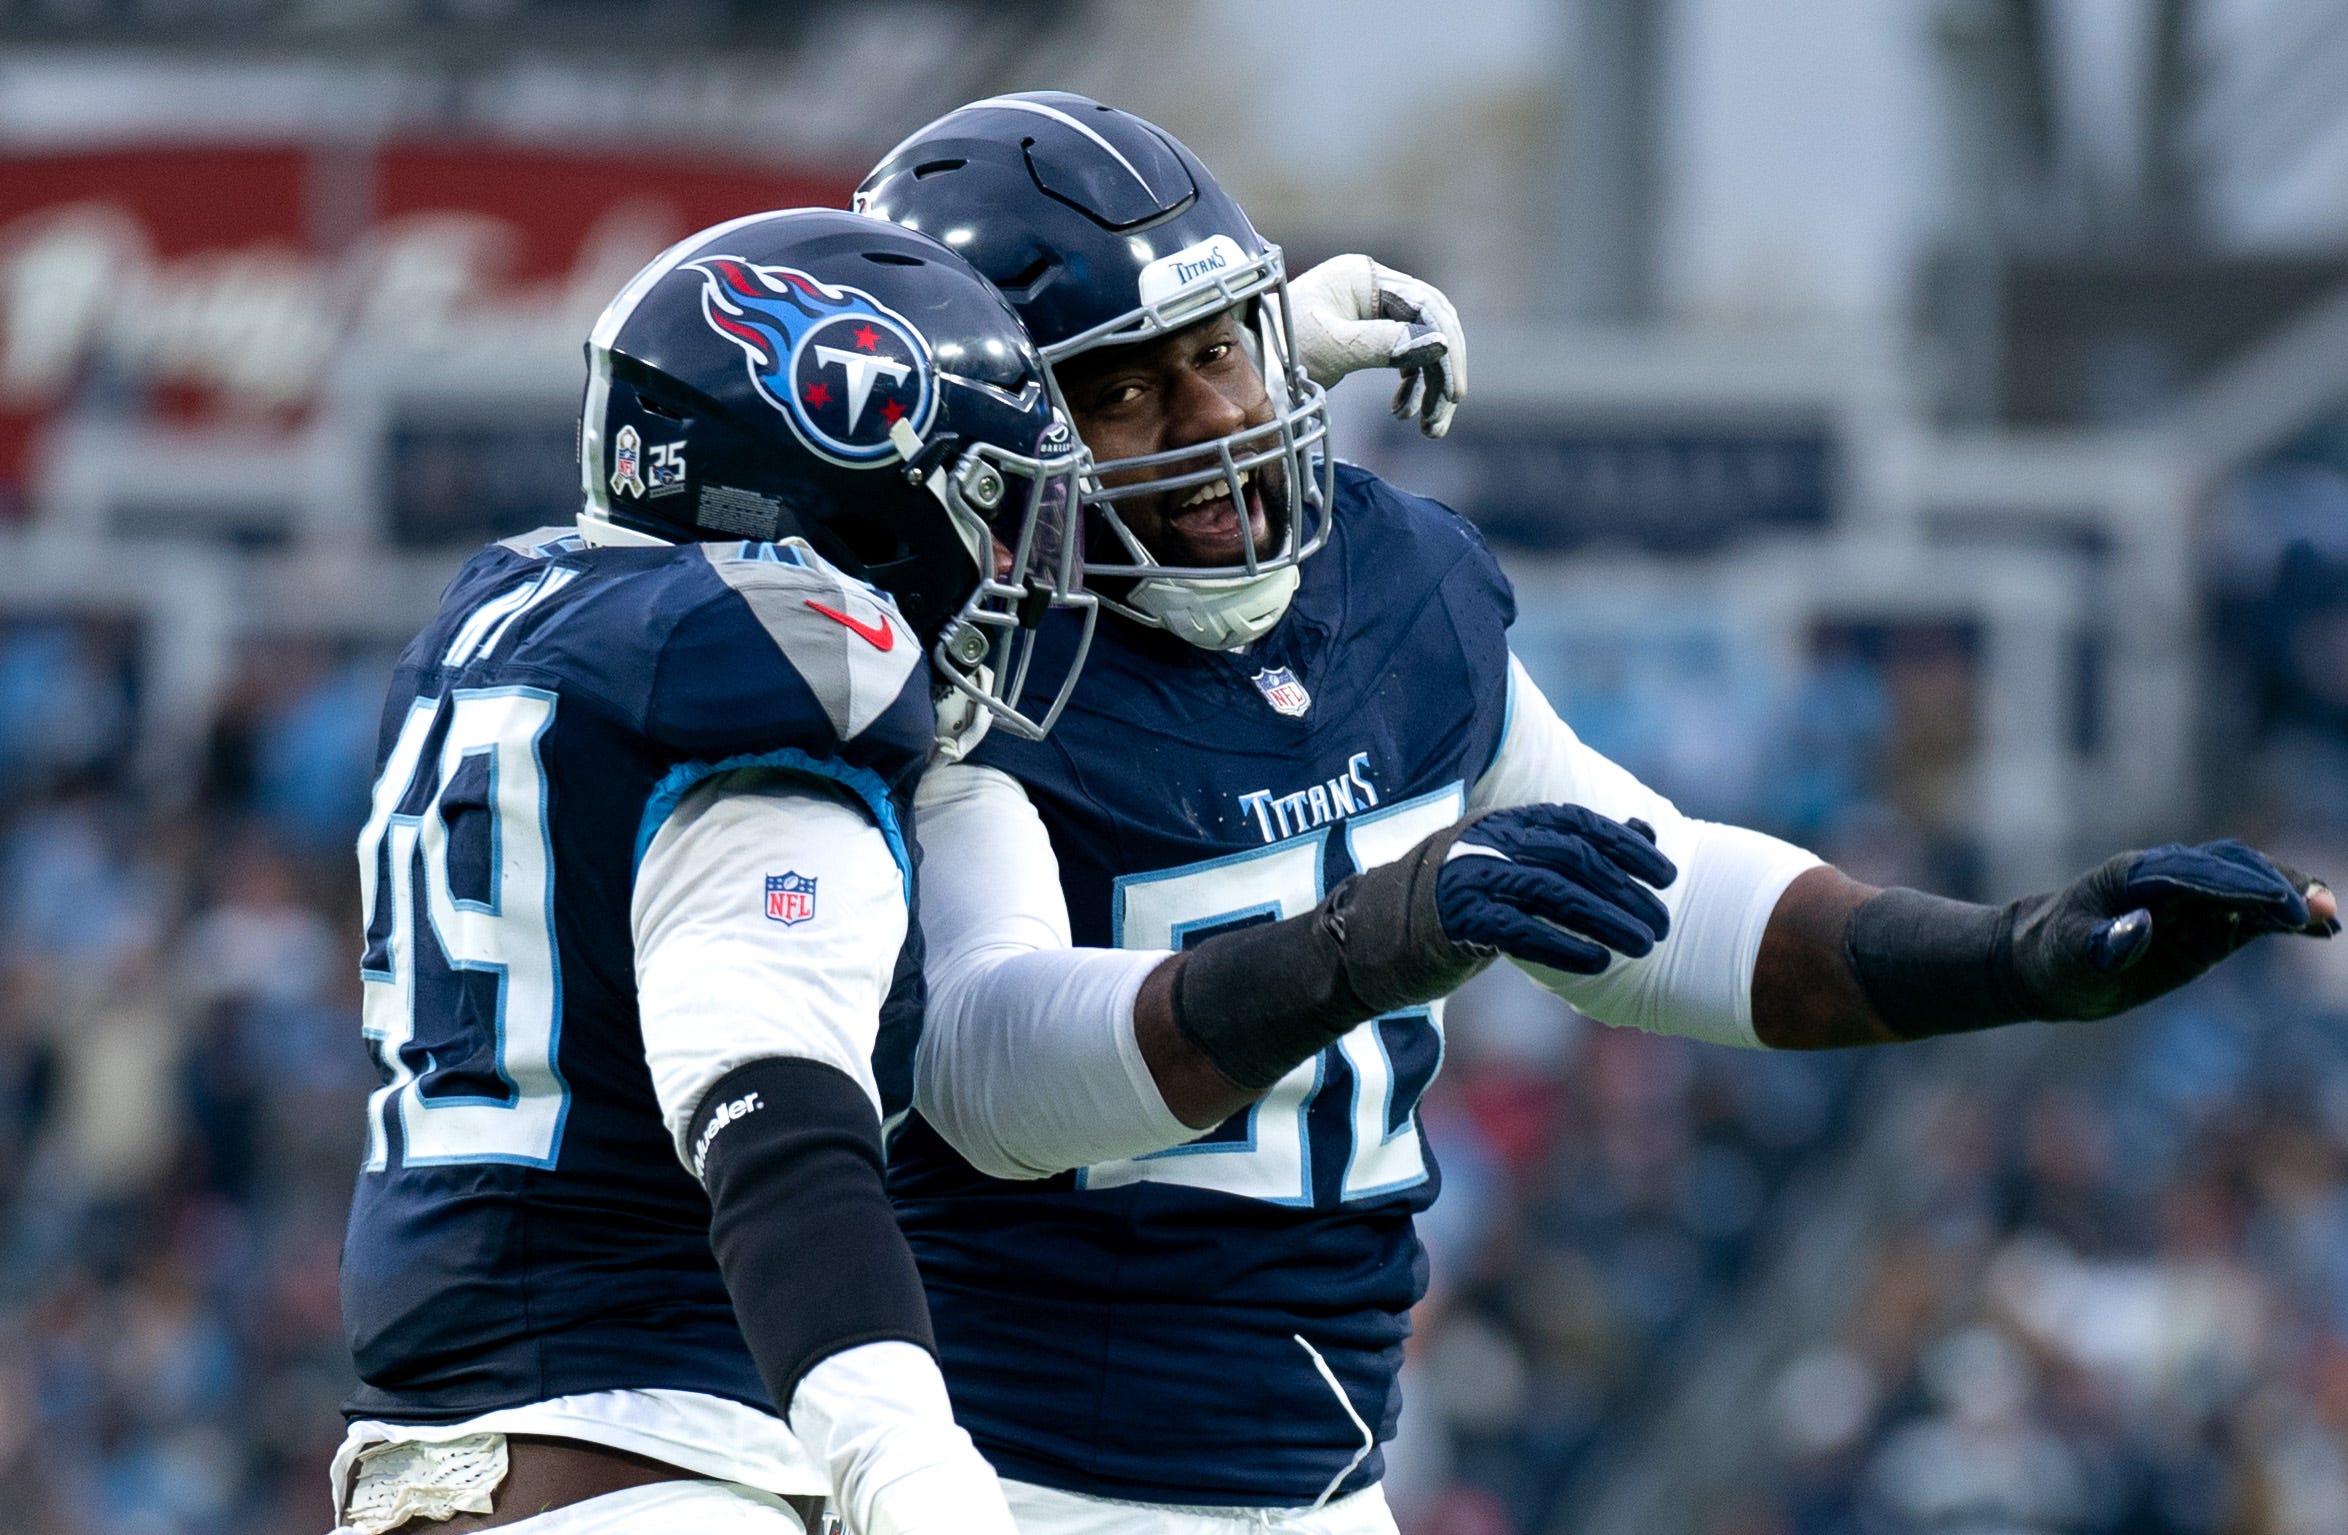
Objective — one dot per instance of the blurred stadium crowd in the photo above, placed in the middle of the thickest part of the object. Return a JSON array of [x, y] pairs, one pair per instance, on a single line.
[[2113, 1297], [181, 1072]]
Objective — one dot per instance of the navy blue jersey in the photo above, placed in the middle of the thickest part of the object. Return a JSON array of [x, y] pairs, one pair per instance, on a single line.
[[523, 1228], [1132, 1329]]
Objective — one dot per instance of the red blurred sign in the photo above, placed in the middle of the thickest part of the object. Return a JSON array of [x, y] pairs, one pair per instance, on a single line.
[[223, 283]]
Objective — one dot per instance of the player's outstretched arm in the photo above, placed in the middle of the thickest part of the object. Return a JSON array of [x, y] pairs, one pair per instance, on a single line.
[[1843, 963], [1555, 885]]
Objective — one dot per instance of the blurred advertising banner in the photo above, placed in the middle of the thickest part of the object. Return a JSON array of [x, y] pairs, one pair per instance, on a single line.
[[208, 294], [1685, 483]]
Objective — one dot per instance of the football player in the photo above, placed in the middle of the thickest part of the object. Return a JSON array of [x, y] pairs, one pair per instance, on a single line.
[[638, 882], [1161, 1182]]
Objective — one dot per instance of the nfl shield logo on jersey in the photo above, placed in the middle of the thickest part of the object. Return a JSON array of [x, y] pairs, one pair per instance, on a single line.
[[789, 898], [1283, 692]]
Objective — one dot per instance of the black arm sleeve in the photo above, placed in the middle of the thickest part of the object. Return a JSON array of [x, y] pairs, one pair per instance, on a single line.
[[1930, 965], [790, 1152], [1258, 1000]]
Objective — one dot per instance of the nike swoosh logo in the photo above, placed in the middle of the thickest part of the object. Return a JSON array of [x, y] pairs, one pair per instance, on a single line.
[[879, 636]]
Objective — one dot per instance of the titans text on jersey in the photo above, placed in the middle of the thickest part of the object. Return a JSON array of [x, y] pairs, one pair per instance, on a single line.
[[523, 1228], [1223, 1322], [1315, 805]]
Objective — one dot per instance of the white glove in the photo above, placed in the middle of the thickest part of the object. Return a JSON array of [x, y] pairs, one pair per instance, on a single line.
[[1352, 313], [877, 1416]]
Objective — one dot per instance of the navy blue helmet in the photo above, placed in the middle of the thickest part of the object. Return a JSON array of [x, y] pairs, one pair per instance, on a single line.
[[816, 375], [1103, 230]]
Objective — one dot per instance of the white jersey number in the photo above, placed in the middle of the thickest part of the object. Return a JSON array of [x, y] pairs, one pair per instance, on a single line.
[[510, 935], [1272, 1160]]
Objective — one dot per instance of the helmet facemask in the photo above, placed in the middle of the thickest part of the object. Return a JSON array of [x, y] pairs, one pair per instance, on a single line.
[[1214, 606], [1018, 516]]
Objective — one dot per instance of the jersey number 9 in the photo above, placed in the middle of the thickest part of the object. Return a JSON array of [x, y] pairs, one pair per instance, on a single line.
[[1266, 1152], [471, 825]]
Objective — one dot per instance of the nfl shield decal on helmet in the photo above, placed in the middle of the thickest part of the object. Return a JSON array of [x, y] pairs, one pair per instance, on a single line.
[[1283, 692], [842, 369], [790, 898]]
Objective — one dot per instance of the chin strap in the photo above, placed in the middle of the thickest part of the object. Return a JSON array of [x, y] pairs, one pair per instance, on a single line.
[[962, 720], [1216, 614]]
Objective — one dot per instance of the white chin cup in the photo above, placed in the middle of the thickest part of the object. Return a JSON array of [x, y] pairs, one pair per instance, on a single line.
[[1216, 614]]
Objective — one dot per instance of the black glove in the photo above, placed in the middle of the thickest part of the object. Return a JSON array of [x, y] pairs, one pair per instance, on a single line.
[[2130, 929], [1558, 885], [2142, 924]]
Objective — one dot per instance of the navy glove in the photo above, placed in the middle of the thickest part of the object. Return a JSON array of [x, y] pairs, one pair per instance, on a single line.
[[2142, 924], [1557, 885]]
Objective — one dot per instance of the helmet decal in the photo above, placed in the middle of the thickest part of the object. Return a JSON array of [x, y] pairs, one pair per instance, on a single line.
[[1191, 267], [842, 368]]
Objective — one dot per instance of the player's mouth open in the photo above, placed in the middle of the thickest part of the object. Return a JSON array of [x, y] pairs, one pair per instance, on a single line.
[[1205, 525]]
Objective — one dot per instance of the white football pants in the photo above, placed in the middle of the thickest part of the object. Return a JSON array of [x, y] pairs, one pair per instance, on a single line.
[[664, 1508], [1049, 1511]]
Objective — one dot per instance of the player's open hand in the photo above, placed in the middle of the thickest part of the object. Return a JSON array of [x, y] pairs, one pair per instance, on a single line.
[[1352, 313], [1556, 885], [2145, 923]]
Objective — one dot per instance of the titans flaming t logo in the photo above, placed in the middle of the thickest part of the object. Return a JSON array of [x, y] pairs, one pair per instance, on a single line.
[[842, 369]]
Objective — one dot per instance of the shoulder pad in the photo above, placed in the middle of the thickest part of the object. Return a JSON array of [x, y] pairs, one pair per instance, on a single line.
[[544, 543], [846, 640], [1399, 542]]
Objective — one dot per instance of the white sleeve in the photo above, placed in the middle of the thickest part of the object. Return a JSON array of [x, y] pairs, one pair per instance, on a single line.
[[719, 982], [1028, 1065], [878, 1418], [1698, 981]]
